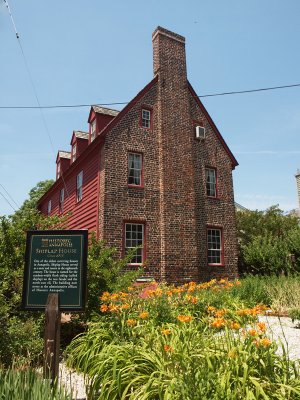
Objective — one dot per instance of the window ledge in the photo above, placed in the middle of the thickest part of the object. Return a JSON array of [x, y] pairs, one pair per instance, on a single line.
[[135, 186]]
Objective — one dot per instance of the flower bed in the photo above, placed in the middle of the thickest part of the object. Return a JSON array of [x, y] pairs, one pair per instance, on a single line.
[[195, 341]]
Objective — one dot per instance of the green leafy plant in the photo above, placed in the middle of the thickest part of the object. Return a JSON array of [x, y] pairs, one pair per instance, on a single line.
[[26, 384]]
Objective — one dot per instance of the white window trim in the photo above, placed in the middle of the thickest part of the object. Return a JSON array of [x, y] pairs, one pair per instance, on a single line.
[[79, 186], [218, 250], [93, 130], [74, 152], [212, 184], [136, 239], [146, 121], [140, 155], [49, 209]]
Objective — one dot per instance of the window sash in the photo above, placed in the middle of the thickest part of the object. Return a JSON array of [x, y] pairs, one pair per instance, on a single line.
[[135, 165], [61, 200], [79, 185], [214, 246], [49, 207], [146, 118], [211, 182], [58, 169], [134, 237], [93, 130], [74, 149]]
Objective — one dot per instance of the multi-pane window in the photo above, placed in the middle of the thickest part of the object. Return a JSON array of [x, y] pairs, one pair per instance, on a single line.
[[58, 170], [211, 182], [49, 207], [135, 165], [93, 130], [79, 185], [146, 118], [134, 239], [214, 246], [74, 150], [61, 200]]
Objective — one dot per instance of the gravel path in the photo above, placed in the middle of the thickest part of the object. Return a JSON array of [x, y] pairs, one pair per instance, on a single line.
[[278, 329]]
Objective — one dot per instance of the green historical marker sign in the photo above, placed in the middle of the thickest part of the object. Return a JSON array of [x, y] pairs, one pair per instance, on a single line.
[[55, 262]]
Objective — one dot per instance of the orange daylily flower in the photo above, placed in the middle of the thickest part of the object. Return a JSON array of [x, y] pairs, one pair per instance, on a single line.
[[144, 315], [184, 318], [131, 322]]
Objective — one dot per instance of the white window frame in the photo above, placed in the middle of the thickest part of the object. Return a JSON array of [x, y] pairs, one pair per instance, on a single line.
[[61, 200], [74, 151], [58, 170], [211, 182], [215, 249], [79, 185], [146, 118], [49, 209], [93, 130], [135, 169], [135, 239]]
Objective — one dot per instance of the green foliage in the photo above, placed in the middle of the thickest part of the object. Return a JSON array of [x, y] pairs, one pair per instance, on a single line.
[[106, 272], [27, 385], [203, 353], [266, 241], [20, 331]]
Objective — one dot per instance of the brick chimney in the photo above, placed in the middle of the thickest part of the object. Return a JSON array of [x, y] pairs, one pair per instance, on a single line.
[[176, 169]]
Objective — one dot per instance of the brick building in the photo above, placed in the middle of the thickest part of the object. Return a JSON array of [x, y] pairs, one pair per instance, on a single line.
[[157, 175]]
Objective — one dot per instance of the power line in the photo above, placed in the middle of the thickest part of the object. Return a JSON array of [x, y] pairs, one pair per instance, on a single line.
[[7, 201], [33, 86], [9, 195], [126, 102]]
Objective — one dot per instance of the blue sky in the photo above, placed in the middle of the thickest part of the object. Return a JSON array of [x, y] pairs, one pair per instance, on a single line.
[[95, 52]]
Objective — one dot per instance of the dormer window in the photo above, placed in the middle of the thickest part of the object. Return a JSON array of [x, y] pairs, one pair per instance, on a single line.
[[93, 129], [49, 208], [74, 150], [58, 170]]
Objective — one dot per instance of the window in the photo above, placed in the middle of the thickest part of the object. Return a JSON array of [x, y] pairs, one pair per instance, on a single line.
[[146, 118], [74, 150], [135, 169], [61, 200], [49, 207], [214, 246], [93, 129], [79, 186], [211, 182], [58, 170], [134, 239]]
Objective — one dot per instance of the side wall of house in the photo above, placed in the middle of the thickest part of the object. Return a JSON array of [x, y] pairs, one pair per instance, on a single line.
[[213, 212], [120, 203], [82, 214]]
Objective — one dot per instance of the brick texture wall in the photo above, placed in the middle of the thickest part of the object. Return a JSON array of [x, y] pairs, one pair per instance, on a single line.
[[173, 203]]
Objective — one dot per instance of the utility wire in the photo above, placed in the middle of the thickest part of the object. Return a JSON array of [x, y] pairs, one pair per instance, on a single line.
[[33, 86], [7, 201], [126, 102], [10, 197]]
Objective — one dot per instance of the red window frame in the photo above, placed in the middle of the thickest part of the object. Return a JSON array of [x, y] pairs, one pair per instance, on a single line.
[[132, 185], [150, 110], [221, 249], [216, 182], [143, 253]]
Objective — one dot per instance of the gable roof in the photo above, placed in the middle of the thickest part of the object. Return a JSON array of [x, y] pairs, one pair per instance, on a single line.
[[81, 135], [63, 154], [102, 110], [211, 122]]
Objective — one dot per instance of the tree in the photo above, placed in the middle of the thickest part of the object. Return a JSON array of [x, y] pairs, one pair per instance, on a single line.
[[267, 240]]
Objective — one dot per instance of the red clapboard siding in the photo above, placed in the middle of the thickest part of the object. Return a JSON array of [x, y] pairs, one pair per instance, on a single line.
[[83, 214]]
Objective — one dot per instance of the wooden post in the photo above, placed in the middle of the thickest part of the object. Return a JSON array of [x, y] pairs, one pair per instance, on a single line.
[[52, 338]]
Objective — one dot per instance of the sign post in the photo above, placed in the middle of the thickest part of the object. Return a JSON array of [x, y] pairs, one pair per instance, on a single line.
[[55, 281]]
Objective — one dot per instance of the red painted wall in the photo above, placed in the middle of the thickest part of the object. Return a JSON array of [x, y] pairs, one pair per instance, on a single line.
[[83, 214]]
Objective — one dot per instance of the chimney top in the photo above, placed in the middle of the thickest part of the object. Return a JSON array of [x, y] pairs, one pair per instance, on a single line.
[[162, 31]]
